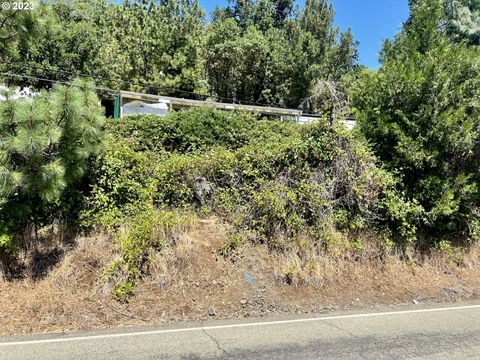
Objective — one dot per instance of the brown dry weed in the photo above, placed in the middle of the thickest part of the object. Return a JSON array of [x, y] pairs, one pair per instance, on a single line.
[[188, 279]]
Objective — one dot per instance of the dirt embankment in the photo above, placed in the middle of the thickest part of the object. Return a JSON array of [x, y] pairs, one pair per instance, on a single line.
[[191, 281]]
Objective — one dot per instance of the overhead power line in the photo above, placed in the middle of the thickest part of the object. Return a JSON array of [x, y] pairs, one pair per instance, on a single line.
[[51, 81], [98, 77], [144, 85]]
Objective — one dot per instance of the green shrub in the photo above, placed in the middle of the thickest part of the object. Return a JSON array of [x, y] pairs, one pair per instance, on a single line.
[[7, 246], [147, 232], [195, 130], [8, 253], [421, 113], [454, 254], [273, 212], [278, 186], [286, 186], [125, 184]]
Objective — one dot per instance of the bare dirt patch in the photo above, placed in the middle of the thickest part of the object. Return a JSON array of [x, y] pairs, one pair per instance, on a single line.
[[191, 281]]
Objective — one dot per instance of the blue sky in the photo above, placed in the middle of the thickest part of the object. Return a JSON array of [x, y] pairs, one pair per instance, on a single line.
[[372, 21]]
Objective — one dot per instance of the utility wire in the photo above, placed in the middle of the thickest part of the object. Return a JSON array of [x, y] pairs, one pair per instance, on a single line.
[[52, 81], [97, 77], [144, 85]]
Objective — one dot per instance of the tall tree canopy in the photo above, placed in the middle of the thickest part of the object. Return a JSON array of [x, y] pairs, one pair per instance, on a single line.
[[287, 55], [20, 29], [145, 41], [70, 42], [253, 50], [158, 43], [421, 114]]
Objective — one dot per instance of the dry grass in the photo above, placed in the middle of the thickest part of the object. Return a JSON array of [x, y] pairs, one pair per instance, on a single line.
[[187, 279]]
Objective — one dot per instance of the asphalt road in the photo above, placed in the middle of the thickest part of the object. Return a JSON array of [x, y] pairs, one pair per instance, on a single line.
[[419, 332]]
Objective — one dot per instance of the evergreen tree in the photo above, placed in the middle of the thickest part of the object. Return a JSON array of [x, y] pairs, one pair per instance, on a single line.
[[45, 145], [318, 53], [271, 55], [422, 116], [463, 20], [158, 43], [145, 41], [252, 56], [235, 63], [263, 14], [20, 29], [71, 42]]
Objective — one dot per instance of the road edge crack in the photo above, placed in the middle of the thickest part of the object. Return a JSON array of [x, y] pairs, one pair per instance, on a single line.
[[215, 341]]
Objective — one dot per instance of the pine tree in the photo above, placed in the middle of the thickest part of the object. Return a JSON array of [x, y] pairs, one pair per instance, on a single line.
[[157, 42], [45, 144], [258, 51], [19, 29]]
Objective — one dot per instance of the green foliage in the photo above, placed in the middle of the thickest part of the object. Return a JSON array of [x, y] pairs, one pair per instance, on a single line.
[[21, 29], [70, 41], [235, 62], [463, 20], [256, 53], [8, 253], [46, 143], [274, 211], [7, 245], [192, 130], [281, 184], [234, 242], [155, 42], [277, 179], [421, 114], [264, 14], [403, 216], [454, 254], [124, 184], [149, 231], [152, 160]]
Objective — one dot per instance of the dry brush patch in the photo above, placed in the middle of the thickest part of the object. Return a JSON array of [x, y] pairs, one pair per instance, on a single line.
[[190, 280]]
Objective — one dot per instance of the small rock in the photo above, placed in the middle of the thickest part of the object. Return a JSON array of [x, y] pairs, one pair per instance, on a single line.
[[244, 302], [202, 191], [459, 292], [211, 312], [162, 280]]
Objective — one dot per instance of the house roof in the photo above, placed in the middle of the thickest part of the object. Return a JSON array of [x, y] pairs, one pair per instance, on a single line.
[[185, 103]]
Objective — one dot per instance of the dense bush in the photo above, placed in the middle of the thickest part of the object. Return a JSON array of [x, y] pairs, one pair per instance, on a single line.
[[194, 130], [157, 160], [422, 116], [276, 183], [284, 180]]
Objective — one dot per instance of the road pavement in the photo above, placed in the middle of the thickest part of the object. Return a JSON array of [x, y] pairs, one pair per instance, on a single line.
[[416, 332]]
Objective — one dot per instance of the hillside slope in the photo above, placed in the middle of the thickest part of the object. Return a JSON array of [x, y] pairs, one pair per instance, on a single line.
[[192, 282]]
